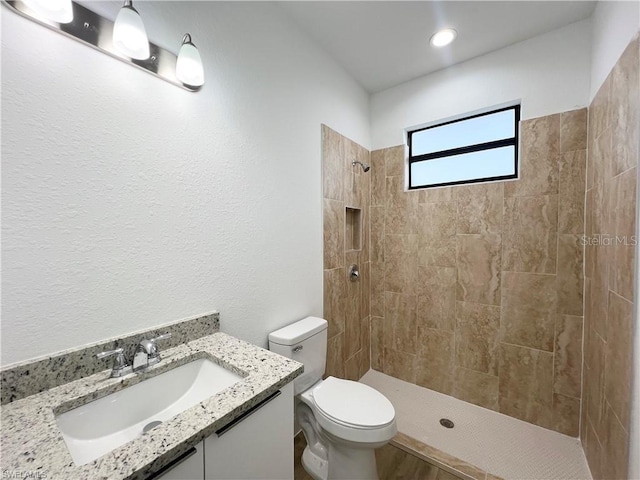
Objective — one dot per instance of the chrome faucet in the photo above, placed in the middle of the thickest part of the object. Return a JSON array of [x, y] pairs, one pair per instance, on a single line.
[[147, 353], [120, 365]]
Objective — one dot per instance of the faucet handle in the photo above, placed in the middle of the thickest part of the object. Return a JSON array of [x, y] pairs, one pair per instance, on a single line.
[[154, 355], [164, 336], [120, 365], [109, 353]]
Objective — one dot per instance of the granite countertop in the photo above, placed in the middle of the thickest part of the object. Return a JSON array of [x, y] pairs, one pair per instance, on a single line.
[[31, 442]]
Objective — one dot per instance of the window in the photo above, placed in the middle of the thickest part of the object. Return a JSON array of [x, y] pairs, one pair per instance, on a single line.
[[478, 148]]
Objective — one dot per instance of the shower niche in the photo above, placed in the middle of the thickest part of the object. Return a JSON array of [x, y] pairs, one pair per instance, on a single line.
[[353, 229]]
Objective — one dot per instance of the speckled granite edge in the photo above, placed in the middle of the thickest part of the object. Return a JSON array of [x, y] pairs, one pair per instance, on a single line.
[[31, 441], [37, 375]]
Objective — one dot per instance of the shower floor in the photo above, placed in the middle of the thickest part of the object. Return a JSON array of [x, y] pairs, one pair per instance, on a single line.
[[495, 443]]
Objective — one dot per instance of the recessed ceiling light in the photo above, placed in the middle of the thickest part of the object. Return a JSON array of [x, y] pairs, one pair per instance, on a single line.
[[443, 37]]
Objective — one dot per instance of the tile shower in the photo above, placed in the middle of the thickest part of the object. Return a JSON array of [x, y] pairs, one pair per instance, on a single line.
[[346, 209], [486, 292], [477, 290], [613, 139]]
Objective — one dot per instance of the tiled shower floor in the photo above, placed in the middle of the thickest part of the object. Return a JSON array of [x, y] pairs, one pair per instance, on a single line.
[[501, 445]]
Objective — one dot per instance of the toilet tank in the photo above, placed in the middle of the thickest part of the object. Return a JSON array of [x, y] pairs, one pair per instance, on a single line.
[[304, 341]]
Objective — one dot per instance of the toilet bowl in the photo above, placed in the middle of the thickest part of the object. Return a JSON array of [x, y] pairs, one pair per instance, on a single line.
[[343, 421], [351, 420]]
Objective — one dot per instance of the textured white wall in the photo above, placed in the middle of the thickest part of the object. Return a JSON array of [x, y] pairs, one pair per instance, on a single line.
[[549, 73], [614, 24], [128, 202]]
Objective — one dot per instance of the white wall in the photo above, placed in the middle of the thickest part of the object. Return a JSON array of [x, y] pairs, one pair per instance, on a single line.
[[614, 24], [549, 73], [128, 202]]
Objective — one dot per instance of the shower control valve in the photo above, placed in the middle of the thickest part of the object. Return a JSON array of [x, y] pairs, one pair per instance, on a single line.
[[354, 273]]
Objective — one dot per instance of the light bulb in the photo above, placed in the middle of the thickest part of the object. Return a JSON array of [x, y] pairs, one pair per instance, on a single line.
[[189, 68], [443, 37], [129, 35], [60, 11]]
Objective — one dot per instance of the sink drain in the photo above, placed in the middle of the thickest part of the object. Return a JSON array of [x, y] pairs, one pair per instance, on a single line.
[[446, 423], [151, 426]]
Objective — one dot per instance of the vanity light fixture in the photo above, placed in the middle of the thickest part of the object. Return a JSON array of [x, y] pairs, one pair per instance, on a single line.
[[129, 34], [443, 37], [189, 64], [60, 11], [124, 39]]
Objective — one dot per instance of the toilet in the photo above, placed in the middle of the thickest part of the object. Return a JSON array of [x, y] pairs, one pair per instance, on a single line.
[[343, 421]]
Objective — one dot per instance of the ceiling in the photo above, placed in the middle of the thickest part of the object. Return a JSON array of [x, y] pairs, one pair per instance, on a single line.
[[385, 43]]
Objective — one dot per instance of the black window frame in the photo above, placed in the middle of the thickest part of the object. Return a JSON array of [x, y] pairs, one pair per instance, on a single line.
[[513, 141]]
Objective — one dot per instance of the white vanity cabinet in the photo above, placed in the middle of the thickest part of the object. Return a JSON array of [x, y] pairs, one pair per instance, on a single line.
[[258, 446], [189, 466]]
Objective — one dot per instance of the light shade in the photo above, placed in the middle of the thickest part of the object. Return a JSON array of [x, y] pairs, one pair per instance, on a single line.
[[129, 34], [443, 37], [60, 11], [189, 68]]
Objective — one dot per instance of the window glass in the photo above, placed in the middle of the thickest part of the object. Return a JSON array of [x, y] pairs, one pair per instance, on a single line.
[[486, 128], [484, 164], [478, 148]]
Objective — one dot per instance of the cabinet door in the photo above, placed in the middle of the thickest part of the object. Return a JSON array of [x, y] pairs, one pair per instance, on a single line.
[[189, 466], [258, 447]]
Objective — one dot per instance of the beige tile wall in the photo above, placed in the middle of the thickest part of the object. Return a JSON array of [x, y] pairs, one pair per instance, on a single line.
[[614, 131], [346, 304], [477, 290]]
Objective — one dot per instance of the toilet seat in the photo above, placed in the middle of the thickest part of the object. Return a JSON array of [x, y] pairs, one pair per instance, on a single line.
[[351, 411], [353, 404]]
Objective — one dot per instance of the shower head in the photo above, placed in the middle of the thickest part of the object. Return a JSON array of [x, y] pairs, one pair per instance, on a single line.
[[365, 166]]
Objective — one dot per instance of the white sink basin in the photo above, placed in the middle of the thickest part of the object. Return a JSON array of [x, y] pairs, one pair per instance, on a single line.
[[101, 426]]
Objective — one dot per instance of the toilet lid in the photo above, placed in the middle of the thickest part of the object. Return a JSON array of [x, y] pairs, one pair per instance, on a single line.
[[353, 403]]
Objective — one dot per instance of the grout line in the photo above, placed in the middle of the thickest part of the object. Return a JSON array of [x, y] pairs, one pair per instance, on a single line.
[[528, 348], [530, 273], [625, 171], [568, 396], [619, 296], [553, 363], [606, 401], [584, 304]]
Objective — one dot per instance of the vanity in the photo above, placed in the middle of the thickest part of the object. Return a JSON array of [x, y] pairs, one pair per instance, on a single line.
[[257, 447], [215, 407]]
